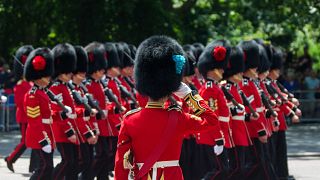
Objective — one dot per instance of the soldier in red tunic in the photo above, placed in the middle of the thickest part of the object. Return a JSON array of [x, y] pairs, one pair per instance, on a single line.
[[20, 90], [240, 135], [39, 135], [150, 139], [97, 66], [64, 125], [211, 64], [84, 111], [283, 108]]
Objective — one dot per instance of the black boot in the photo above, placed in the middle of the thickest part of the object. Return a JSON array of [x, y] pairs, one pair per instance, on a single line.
[[9, 164]]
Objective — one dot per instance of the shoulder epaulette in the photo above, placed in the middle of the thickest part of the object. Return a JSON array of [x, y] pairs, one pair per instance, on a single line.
[[174, 107], [228, 86], [56, 83], [209, 84], [132, 112], [245, 82], [33, 90]]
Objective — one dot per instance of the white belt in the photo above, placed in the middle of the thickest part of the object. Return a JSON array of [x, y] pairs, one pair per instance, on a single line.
[[239, 118], [72, 116], [105, 112], [276, 109], [224, 119], [260, 109], [160, 164], [47, 121]]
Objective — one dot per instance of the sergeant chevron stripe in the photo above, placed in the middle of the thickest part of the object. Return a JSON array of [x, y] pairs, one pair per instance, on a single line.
[[33, 112]]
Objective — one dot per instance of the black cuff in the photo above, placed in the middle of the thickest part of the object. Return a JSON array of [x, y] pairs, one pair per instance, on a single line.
[[219, 142], [116, 110], [247, 117], [291, 115], [233, 111], [69, 132], [294, 108], [268, 114], [98, 116], [262, 133], [44, 142], [63, 115], [88, 134], [94, 131], [87, 113], [276, 123]]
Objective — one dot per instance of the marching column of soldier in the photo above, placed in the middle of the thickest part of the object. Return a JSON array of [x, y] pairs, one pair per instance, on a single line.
[[159, 111]]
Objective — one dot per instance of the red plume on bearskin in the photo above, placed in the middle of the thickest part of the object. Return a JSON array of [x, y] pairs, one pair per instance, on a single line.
[[219, 53], [39, 63]]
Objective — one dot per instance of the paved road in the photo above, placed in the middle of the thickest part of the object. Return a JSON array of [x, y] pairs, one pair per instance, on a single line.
[[303, 150]]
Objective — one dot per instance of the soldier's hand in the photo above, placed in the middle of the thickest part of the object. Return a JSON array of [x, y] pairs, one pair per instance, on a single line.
[[47, 148], [218, 149], [73, 139], [295, 119], [263, 139], [183, 90], [123, 109], [254, 116], [295, 101], [298, 112]]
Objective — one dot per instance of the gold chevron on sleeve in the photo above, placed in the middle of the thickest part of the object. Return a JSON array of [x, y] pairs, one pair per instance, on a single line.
[[33, 112]]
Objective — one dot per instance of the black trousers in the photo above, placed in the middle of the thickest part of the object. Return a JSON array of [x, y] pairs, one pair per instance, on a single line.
[[237, 162], [85, 161], [99, 166], [44, 170], [68, 166], [281, 159], [110, 156], [219, 168]]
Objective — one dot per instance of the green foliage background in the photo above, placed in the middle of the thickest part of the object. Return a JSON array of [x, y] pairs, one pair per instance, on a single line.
[[287, 23]]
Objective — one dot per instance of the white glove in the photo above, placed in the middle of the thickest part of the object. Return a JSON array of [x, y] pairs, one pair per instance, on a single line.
[[240, 110], [4, 99], [69, 110], [183, 90], [47, 148], [298, 112], [218, 149]]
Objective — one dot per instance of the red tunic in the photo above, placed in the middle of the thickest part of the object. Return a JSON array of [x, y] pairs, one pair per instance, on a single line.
[[37, 106], [85, 128], [240, 134], [251, 92], [142, 131], [95, 88], [62, 126], [212, 93], [20, 90]]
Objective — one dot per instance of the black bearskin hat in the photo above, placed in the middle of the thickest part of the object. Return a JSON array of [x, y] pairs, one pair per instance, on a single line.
[[82, 60], [215, 56], [39, 64], [191, 60], [112, 55], [235, 64], [65, 59], [251, 53], [264, 64], [277, 59], [20, 59], [158, 67], [126, 60], [133, 50], [198, 48], [97, 57]]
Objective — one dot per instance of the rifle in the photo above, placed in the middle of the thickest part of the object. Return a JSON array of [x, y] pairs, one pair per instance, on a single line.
[[54, 98], [91, 101], [230, 97], [283, 99], [77, 97], [110, 95], [125, 93], [272, 93], [265, 101], [284, 90], [247, 103]]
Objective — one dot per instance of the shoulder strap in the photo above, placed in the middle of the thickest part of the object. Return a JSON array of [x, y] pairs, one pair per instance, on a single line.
[[158, 150]]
